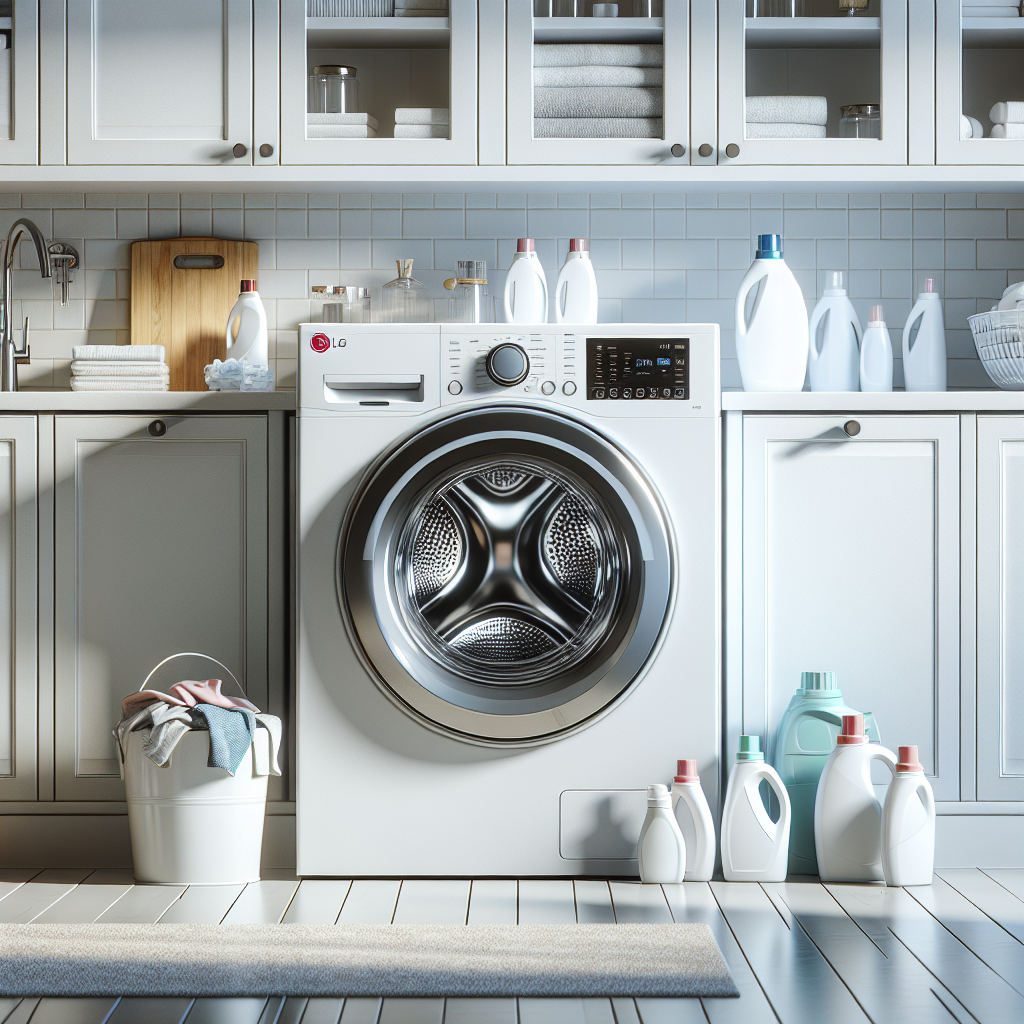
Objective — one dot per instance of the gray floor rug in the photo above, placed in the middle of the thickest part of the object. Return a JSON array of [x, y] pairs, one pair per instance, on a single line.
[[361, 960]]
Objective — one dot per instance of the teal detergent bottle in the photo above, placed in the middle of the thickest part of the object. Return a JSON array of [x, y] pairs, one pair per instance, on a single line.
[[806, 737]]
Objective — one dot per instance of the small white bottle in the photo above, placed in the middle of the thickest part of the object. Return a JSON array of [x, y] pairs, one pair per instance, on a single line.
[[924, 343], [847, 814], [576, 291], [526, 287], [876, 354], [835, 363], [754, 848], [690, 806], [661, 851], [250, 343], [908, 825]]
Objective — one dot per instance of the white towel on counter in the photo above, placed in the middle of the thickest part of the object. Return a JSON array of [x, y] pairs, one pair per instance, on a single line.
[[971, 127], [571, 55], [113, 368], [598, 128], [623, 101], [422, 115], [340, 131], [421, 131], [132, 353], [119, 384], [596, 75], [363, 119], [1014, 130], [1009, 112], [779, 130], [787, 110]]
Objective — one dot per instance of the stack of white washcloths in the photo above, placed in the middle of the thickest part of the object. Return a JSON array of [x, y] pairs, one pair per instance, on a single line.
[[989, 8], [786, 117], [598, 90], [341, 126], [1007, 120], [350, 8], [119, 368], [421, 8], [422, 123]]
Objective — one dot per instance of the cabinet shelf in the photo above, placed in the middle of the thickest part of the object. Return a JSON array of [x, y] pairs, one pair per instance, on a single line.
[[378, 33], [598, 30], [814, 33], [993, 33]]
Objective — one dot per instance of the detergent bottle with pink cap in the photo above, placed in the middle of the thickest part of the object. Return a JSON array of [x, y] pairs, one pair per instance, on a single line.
[[908, 824], [924, 343], [693, 815]]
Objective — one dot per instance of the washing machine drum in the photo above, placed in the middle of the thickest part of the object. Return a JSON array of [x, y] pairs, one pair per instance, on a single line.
[[507, 573]]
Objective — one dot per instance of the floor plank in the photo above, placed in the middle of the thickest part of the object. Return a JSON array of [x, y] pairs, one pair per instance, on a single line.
[[10, 880], [142, 904], [988, 896], [625, 1011], [670, 1011], [433, 901], [202, 904], [547, 902], [1011, 879], [82, 905], [22, 1013], [412, 1011], [110, 876], [293, 1011], [226, 1011], [593, 903], [551, 1011], [360, 1011], [261, 903], [150, 1011], [494, 901], [318, 901], [63, 876], [323, 1011], [7, 1007], [635, 903], [272, 1010], [370, 901], [480, 1011], [31, 899], [73, 1011]]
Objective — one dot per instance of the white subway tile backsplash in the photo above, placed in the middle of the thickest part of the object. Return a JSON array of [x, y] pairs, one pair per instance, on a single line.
[[226, 200], [993, 254], [551, 223], [227, 223], [323, 223], [718, 223], [449, 201], [85, 223], [164, 223], [884, 254], [433, 223], [354, 223], [490, 223], [323, 200], [684, 253], [386, 224], [960, 254], [798, 223], [196, 223], [292, 223], [637, 254], [975, 224]]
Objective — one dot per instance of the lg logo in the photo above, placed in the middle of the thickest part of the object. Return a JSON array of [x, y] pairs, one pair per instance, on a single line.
[[319, 343]]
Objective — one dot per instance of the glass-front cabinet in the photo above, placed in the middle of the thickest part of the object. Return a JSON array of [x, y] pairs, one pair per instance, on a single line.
[[19, 82], [979, 85], [812, 82]]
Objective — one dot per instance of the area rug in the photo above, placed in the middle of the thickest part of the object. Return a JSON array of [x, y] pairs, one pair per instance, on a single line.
[[361, 960]]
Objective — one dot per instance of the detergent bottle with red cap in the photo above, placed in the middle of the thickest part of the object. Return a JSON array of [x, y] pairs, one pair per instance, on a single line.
[[847, 814], [576, 290], [908, 824], [526, 287], [693, 815]]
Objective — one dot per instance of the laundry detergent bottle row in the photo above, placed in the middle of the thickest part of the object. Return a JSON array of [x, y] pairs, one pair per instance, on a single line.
[[834, 339], [908, 824], [693, 815]]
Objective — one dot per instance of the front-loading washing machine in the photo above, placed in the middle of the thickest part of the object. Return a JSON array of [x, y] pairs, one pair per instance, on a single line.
[[508, 579]]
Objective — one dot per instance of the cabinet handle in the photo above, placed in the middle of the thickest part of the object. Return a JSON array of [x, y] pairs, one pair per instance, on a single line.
[[158, 428], [706, 150], [732, 151], [852, 428], [266, 149], [239, 150], [678, 150]]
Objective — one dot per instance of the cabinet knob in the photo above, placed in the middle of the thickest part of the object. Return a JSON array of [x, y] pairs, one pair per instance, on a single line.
[[266, 149], [158, 428], [706, 150], [852, 428], [732, 151], [239, 150], [678, 150]]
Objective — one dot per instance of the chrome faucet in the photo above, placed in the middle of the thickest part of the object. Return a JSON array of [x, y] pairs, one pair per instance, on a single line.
[[10, 357]]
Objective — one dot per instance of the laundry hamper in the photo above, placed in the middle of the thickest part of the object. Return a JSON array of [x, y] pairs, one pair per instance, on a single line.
[[190, 824]]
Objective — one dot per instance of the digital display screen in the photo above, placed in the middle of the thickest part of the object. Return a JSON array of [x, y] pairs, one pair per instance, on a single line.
[[638, 369]]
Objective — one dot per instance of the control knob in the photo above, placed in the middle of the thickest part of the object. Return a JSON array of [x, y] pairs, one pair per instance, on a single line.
[[508, 365]]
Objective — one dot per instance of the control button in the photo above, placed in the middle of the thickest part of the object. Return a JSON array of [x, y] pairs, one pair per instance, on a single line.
[[597, 393], [666, 392], [568, 388], [639, 392], [680, 360], [653, 393], [679, 393], [627, 392], [548, 388], [613, 392], [508, 365], [455, 388]]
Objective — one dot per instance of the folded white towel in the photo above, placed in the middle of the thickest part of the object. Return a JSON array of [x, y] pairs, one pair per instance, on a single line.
[[1014, 130], [1010, 112], [971, 128], [364, 119], [592, 75], [598, 128], [787, 109], [571, 55], [991, 12], [111, 368], [623, 101], [440, 12], [422, 131], [422, 115], [340, 131], [781, 130], [119, 384], [413, 5], [133, 353]]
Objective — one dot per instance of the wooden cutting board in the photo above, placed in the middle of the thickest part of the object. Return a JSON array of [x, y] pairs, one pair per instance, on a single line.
[[182, 292]]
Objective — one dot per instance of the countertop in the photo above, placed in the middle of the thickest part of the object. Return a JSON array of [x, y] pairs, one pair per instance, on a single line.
[[146, 402], [859, 401]]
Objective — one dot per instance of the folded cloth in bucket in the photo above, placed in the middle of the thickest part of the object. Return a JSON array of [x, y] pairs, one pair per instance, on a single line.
[[188, 693], [231, 732]]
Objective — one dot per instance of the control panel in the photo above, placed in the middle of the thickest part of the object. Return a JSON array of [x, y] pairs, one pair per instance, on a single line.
[[638, 369], [494, 362]]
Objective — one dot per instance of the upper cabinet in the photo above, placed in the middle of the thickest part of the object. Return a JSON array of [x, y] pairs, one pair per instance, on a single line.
[[19, 82]]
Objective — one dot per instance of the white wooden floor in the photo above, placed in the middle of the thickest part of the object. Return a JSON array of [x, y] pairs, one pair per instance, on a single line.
[[801, 952]]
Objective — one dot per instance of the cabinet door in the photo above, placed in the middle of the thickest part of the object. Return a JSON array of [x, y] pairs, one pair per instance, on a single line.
[[1000, 607], [851, 564], [152, 82], [525, 146], [400, 62], [18, 573], [161, 547], [19, 85], [847, 60]]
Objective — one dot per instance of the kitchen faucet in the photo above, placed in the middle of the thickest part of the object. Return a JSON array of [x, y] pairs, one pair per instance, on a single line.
[[10, 357]]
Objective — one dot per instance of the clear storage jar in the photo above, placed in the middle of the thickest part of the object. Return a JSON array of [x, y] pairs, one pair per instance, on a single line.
[[404, 300], [470, 302], [861, 121], [333, 89]]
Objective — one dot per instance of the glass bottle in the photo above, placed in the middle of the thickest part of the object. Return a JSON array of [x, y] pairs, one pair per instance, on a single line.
[[404, 300], [470, 302]]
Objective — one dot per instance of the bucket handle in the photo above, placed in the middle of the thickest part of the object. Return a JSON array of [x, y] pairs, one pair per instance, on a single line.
[[191, 654]]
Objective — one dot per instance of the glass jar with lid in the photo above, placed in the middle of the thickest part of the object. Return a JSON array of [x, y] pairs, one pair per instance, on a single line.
[[333, 89], [404, 300], [470, 302], [860, 121]]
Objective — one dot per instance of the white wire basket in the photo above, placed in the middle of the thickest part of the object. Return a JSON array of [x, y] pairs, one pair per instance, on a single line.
[[999, 339]]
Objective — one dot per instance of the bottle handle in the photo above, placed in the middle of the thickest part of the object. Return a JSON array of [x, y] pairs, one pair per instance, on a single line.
[[812, 330], [751, 279], [886, 756], [771, 828], [928, 800]]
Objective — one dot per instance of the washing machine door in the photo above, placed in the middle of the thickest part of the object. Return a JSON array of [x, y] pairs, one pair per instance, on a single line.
[[506, 572]]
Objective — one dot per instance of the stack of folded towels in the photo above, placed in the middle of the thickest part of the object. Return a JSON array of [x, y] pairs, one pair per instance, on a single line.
[[341, 126], [989, 8], [598, 90], [1007, 120], [119, 368], [786, 117], [350, 8], [421, 8], [422, 123]]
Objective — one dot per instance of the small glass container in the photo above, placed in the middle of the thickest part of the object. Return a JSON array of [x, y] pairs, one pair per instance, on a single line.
[[470, 302], [333, 89], [404, 300], [341, 304], [861, 121], [851, 7]]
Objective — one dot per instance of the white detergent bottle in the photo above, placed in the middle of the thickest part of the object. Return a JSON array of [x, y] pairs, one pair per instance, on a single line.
[[876, 354], [661, 851], [771, 343], [924, 343], [693, 816], [576, 292], [526, 287], [908, 825], [250, 340], [847, 815], [754, 848], [834, 339]]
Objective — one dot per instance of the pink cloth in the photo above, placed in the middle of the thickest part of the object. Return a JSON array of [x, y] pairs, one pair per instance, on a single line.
[[187, 694]]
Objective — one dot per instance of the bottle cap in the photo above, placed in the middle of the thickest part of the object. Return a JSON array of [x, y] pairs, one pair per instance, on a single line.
[[686, 771], [834, 282], [247, 286], [908, 761], [769, 247], [876, 315], [524, 245], [577, 245], [750, 749], [657, 796], [819, 684], [929, 284], [404, 268], [853, 730]]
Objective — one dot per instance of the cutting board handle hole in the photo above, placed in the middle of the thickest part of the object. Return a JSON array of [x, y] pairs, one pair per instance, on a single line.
[[198, 262]]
